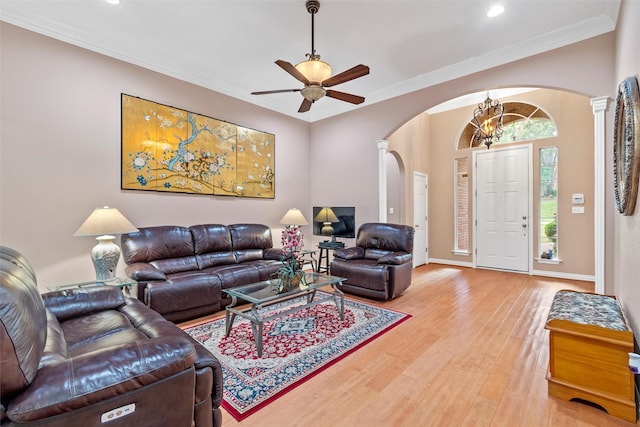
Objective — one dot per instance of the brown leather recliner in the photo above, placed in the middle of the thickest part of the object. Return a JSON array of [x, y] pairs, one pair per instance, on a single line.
[[380, 265], [91, 357]]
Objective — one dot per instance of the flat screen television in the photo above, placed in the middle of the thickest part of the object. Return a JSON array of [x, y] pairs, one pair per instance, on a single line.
[[343, 226]]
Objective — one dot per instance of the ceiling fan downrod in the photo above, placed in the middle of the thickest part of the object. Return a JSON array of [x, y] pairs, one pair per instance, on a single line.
[[312, 7]]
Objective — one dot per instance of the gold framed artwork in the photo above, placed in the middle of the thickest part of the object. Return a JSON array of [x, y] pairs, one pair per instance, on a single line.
[[169, 149]]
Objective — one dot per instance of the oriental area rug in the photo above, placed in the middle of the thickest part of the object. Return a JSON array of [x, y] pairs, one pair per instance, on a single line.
[[296, 347]]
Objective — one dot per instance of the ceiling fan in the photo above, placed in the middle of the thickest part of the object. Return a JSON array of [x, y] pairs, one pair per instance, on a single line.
[[316, 74]]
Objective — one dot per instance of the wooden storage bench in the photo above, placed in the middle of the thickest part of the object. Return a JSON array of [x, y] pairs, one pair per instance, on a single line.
[[589, 342]]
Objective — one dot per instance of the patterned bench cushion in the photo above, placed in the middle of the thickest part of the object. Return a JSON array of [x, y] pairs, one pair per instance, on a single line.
[[587, 309]]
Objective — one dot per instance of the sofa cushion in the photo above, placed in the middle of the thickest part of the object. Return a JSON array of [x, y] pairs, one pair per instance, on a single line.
[[389, 237], [157, 243], [99, 330], [247, 255], [176, 265], [250, 236], [211, 238], [375, 253], [235, 275], [265, 267]]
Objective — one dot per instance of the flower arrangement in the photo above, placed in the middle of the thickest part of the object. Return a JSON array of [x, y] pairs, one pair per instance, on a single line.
[[292, 240], [291, 271]]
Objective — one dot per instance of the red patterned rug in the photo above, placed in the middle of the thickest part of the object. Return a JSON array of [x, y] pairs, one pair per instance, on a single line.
[[295, 348]]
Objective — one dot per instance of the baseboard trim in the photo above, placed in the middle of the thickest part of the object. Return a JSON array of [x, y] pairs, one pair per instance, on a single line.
[[570, 276], [450, 262], [553, 274]]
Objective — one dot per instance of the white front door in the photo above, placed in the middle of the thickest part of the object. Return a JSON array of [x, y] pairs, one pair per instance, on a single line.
[[420, 192], [502, 208]]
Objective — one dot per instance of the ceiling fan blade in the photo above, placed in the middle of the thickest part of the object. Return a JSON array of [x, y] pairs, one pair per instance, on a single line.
[[354, 99], [266, 92], [305, 106], [289, 68], [345, 76]]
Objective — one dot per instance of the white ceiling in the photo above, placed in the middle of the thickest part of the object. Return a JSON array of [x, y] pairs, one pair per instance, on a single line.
[[230, 46]]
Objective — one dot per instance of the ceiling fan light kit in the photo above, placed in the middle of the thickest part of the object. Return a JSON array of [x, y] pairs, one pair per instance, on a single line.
[[316, 74]]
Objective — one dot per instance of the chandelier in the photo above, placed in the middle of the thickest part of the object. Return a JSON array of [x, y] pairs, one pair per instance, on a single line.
[[487, 119]]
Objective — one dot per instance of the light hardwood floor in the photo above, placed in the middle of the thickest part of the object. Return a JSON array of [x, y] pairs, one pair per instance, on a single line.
[[474, 353]]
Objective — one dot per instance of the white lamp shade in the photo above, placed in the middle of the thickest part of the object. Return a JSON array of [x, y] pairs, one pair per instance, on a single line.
[[105, 221], [293, 217]]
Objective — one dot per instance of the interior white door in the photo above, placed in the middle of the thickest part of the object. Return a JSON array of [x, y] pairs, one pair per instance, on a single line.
[[502, 209], [420, 193]]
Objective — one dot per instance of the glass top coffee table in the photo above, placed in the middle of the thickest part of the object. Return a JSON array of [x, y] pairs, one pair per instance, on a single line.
[[263, 294]]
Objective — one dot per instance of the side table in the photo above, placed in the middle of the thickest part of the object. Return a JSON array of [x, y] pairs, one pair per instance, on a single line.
[[325, 247], [308, 257], [123, 283]]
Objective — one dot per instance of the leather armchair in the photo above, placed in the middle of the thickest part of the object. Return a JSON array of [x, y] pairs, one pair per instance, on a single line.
[[90, 356], [380, 265]]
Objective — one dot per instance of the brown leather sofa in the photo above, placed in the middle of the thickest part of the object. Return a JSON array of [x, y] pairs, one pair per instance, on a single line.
[[181, 271], [380, 265], [91, 356]]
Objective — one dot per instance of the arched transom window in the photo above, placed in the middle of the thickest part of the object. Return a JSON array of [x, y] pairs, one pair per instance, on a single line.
[[521, 122]]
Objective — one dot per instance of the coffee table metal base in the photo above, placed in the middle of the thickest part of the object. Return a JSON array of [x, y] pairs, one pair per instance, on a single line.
[[257, 320]]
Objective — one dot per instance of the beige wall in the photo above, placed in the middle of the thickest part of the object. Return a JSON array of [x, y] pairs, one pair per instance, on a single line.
[[60, 153], [60, 142], [625, 244], [411, 144], [574, 121]]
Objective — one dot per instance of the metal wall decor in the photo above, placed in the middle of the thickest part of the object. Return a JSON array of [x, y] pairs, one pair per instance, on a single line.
[[626, 153], [172, 150]]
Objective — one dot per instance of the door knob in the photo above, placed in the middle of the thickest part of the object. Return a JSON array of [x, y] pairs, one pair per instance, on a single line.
[[524, 225], [524, 217]]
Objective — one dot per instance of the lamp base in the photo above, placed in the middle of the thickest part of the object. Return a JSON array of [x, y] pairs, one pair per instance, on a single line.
[[105, 256], [327, 229]]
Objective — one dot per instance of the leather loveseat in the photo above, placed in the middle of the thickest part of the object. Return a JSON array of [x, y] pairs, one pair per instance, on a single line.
[[181, 271], [380, 265], [91, 357]]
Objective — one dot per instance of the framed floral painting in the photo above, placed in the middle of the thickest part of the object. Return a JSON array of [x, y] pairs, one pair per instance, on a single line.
[[169, 149]]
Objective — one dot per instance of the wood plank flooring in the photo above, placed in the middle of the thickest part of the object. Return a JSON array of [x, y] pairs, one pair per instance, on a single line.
[[474, 353]]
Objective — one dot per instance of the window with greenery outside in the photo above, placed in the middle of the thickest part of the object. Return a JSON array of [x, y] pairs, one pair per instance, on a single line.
[[548, 203]]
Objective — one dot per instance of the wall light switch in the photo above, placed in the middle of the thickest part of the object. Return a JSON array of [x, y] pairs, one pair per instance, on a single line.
[[577, 199], [577, 209], [390, 211]]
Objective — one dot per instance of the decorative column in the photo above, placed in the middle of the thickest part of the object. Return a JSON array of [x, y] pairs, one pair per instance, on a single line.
[[383, 150], [599, 106]]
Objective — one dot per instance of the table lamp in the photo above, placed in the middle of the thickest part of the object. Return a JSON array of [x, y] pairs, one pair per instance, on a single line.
[[104, 223], [292, 237], [326, 216]]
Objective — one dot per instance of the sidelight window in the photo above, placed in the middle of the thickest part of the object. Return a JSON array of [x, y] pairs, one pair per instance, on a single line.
[[548, 227]]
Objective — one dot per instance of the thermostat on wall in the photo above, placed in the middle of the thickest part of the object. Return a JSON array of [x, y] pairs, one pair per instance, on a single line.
[[577, 198]]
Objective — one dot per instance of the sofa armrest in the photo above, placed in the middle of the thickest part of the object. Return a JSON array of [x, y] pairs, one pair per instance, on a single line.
[[355, 252], [69, 303], [142, 271], [274, 254], [101, 375], [395, 258]]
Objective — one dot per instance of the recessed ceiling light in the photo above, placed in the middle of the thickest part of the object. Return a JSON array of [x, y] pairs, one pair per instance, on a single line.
[[113, 1], [495, 11]]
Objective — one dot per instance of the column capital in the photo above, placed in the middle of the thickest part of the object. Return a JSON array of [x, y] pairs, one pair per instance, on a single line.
[[383, 144], [599, 103]]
